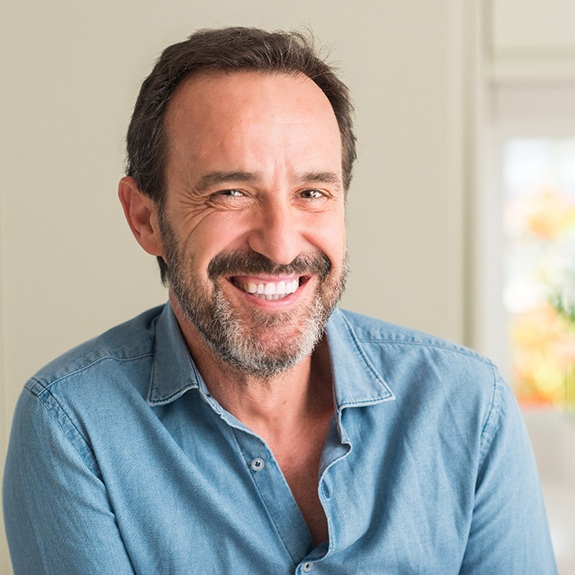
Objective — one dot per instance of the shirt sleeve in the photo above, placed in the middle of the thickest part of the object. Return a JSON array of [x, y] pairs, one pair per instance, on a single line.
[[57, 514], [509, 531]]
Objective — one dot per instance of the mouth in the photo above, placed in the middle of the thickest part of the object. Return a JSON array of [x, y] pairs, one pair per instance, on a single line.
[[268, 289]]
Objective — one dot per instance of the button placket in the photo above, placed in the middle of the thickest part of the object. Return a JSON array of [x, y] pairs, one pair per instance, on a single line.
[[275, 494]]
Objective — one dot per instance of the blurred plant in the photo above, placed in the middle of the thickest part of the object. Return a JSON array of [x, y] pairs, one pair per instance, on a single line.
[[540, 257], [563, 303], [544, 214], [544, 357], [543, 333]]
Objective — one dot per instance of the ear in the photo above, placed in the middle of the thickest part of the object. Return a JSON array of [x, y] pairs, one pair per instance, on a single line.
[[142, 215]]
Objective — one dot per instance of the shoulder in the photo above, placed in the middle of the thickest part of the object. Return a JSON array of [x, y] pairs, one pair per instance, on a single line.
[[124, 343], [437, 383], [86, 390], [378, 334], [416, 364]]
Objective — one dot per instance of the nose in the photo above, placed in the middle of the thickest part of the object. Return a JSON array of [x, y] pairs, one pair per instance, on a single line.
[[276, 232]]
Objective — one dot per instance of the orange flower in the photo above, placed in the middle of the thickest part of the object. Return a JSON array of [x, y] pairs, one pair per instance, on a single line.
[[549, 213]]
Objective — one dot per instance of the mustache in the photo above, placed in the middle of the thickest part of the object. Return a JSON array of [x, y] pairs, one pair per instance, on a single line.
[[253, 263]]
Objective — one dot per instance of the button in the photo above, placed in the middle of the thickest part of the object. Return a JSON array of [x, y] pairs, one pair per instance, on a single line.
[[257, 464], [307, 567]]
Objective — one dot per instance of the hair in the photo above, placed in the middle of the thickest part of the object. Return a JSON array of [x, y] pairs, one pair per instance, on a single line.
[[225, 50]]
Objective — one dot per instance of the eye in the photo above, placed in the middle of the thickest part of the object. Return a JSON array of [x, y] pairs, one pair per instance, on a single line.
[[312, 194], [230, 193], [226, 195], [231, 198]]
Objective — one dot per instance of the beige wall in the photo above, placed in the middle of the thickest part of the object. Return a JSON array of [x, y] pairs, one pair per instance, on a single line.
[[70, 71], [532, 41]]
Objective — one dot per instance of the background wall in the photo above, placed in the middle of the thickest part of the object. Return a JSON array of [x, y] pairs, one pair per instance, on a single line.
[[70, 71]]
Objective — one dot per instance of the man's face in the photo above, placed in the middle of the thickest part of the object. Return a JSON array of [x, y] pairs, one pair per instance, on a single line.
[[253, 221]]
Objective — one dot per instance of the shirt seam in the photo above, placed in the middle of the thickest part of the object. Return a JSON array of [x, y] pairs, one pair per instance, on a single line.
[[91, 465], [491, 424], [47, 385], [54, 407], [438, 346], [94, 469]]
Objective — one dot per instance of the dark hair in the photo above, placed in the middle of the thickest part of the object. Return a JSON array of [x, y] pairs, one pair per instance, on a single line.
[[226, 50]]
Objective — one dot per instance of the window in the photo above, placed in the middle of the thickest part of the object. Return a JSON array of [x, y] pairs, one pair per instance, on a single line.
[[525, 313], [539, 267]]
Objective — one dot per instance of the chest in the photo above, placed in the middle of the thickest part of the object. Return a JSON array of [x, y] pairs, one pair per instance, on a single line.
[[298, 456], [178, 482], [301, 471]]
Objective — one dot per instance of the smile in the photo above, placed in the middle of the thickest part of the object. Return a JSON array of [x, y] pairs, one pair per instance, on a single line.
[[268, 290]]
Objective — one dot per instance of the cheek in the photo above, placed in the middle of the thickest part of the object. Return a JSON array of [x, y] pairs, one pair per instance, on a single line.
[[329, 236], [213, 236]]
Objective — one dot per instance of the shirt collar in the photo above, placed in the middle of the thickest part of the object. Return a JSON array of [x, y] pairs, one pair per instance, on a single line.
[[356, 381], [173, 371]]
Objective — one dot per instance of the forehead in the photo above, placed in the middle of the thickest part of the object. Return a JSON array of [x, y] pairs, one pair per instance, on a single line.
[[212, 101]]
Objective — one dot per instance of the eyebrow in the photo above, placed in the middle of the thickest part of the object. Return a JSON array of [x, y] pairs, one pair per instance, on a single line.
[[322, 178], [215, 178]]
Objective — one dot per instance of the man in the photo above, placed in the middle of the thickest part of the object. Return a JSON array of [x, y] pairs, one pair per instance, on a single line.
[[250, 426]]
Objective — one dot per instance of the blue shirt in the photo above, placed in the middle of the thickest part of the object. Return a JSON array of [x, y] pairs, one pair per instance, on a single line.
[[121, 462]]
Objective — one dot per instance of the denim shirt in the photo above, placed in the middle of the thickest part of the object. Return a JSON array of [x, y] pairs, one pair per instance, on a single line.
[[121, 462]]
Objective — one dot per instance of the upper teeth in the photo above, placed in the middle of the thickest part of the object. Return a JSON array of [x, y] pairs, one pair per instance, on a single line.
[[270, 290]]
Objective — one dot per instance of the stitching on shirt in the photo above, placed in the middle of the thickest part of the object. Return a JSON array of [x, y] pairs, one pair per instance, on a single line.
[[366, 402], [50, 402], [56, 410], [46, 386], [460, 351], [491, 422], [173, 396]]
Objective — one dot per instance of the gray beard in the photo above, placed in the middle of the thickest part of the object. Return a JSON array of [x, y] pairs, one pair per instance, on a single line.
[[234, 344], [232, 338]]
